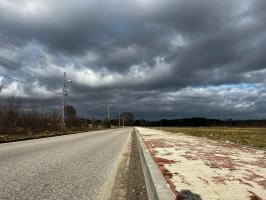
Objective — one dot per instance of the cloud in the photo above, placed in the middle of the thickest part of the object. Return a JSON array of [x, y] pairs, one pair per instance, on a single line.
[[137, 51]]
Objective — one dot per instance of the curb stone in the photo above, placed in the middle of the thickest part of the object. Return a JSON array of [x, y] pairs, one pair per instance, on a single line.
[[157, 187]]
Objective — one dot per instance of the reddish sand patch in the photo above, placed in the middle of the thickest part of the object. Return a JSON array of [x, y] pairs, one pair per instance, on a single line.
[[151, 144], [254, 196], [166, 173], [252, 176], [163, 161], [219, 180], [223, 179], [190, 157], [259, 163], [262, 183], [205, 181], [241, 181]]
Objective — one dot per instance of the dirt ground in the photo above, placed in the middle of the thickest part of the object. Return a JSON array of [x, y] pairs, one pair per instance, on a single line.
[[129, 181]]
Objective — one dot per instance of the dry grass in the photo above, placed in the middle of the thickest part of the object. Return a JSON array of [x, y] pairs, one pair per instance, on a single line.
[[254, 137], [4, 138]]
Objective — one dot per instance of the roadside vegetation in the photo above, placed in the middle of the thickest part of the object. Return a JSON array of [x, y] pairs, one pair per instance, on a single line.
[[20, 123], [254, 137]]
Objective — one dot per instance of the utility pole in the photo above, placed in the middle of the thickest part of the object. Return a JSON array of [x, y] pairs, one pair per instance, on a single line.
[[64, 94], [108, 111], [63, 103], [119, 119]]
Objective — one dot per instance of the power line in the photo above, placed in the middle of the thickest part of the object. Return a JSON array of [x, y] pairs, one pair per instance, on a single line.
[[30, 84], [5, 61], [12, 51], [14, 64], [36, 86], [11, 48], [30, 59], [6, 41]]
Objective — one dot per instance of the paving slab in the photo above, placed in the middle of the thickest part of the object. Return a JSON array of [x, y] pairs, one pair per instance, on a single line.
[[208, 169]]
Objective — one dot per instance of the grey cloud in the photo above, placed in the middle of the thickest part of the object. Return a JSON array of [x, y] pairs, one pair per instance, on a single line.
[[203, 43]]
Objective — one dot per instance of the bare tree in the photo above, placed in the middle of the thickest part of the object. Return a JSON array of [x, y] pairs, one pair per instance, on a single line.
[[10, 114], [128, 118]]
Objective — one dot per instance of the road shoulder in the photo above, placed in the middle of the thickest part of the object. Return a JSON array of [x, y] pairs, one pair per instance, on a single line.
[[129, 183]]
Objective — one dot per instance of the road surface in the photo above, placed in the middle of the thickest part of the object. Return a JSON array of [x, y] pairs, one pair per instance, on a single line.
[[78, 166]]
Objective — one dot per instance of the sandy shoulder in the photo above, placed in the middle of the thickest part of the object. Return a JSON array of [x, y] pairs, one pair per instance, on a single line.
[[211, 169]]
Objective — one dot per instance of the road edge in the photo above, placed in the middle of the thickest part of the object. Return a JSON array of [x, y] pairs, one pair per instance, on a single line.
[[53, 134], [108, 185], [156, 185]]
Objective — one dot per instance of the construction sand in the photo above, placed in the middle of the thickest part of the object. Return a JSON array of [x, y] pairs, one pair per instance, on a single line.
[[211, 169]]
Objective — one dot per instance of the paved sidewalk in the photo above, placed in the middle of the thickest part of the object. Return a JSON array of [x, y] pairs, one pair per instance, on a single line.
[[211, 169]]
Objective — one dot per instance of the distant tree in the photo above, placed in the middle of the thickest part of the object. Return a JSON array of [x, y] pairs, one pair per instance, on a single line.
[[129, 118], [95, 122], [70, 112], [106, 123]]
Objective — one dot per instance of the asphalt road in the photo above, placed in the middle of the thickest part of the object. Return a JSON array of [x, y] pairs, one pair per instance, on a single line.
[[78, 166]]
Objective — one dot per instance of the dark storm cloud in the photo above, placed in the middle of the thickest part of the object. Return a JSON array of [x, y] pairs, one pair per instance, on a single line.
[[140, 51]]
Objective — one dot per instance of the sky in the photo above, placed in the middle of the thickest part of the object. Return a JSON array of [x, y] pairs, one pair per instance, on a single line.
[[156, 59]]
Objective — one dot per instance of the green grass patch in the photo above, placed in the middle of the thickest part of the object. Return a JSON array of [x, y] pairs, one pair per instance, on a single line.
[[254, 137]]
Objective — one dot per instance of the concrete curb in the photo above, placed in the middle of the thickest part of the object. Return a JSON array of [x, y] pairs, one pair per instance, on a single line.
[[157, 187]]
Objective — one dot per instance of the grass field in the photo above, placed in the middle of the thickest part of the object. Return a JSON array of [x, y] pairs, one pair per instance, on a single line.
[[255, 137]]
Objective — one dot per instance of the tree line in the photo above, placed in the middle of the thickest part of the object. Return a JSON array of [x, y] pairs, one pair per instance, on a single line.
[[198, 121], [18, 119], [14, 118]]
